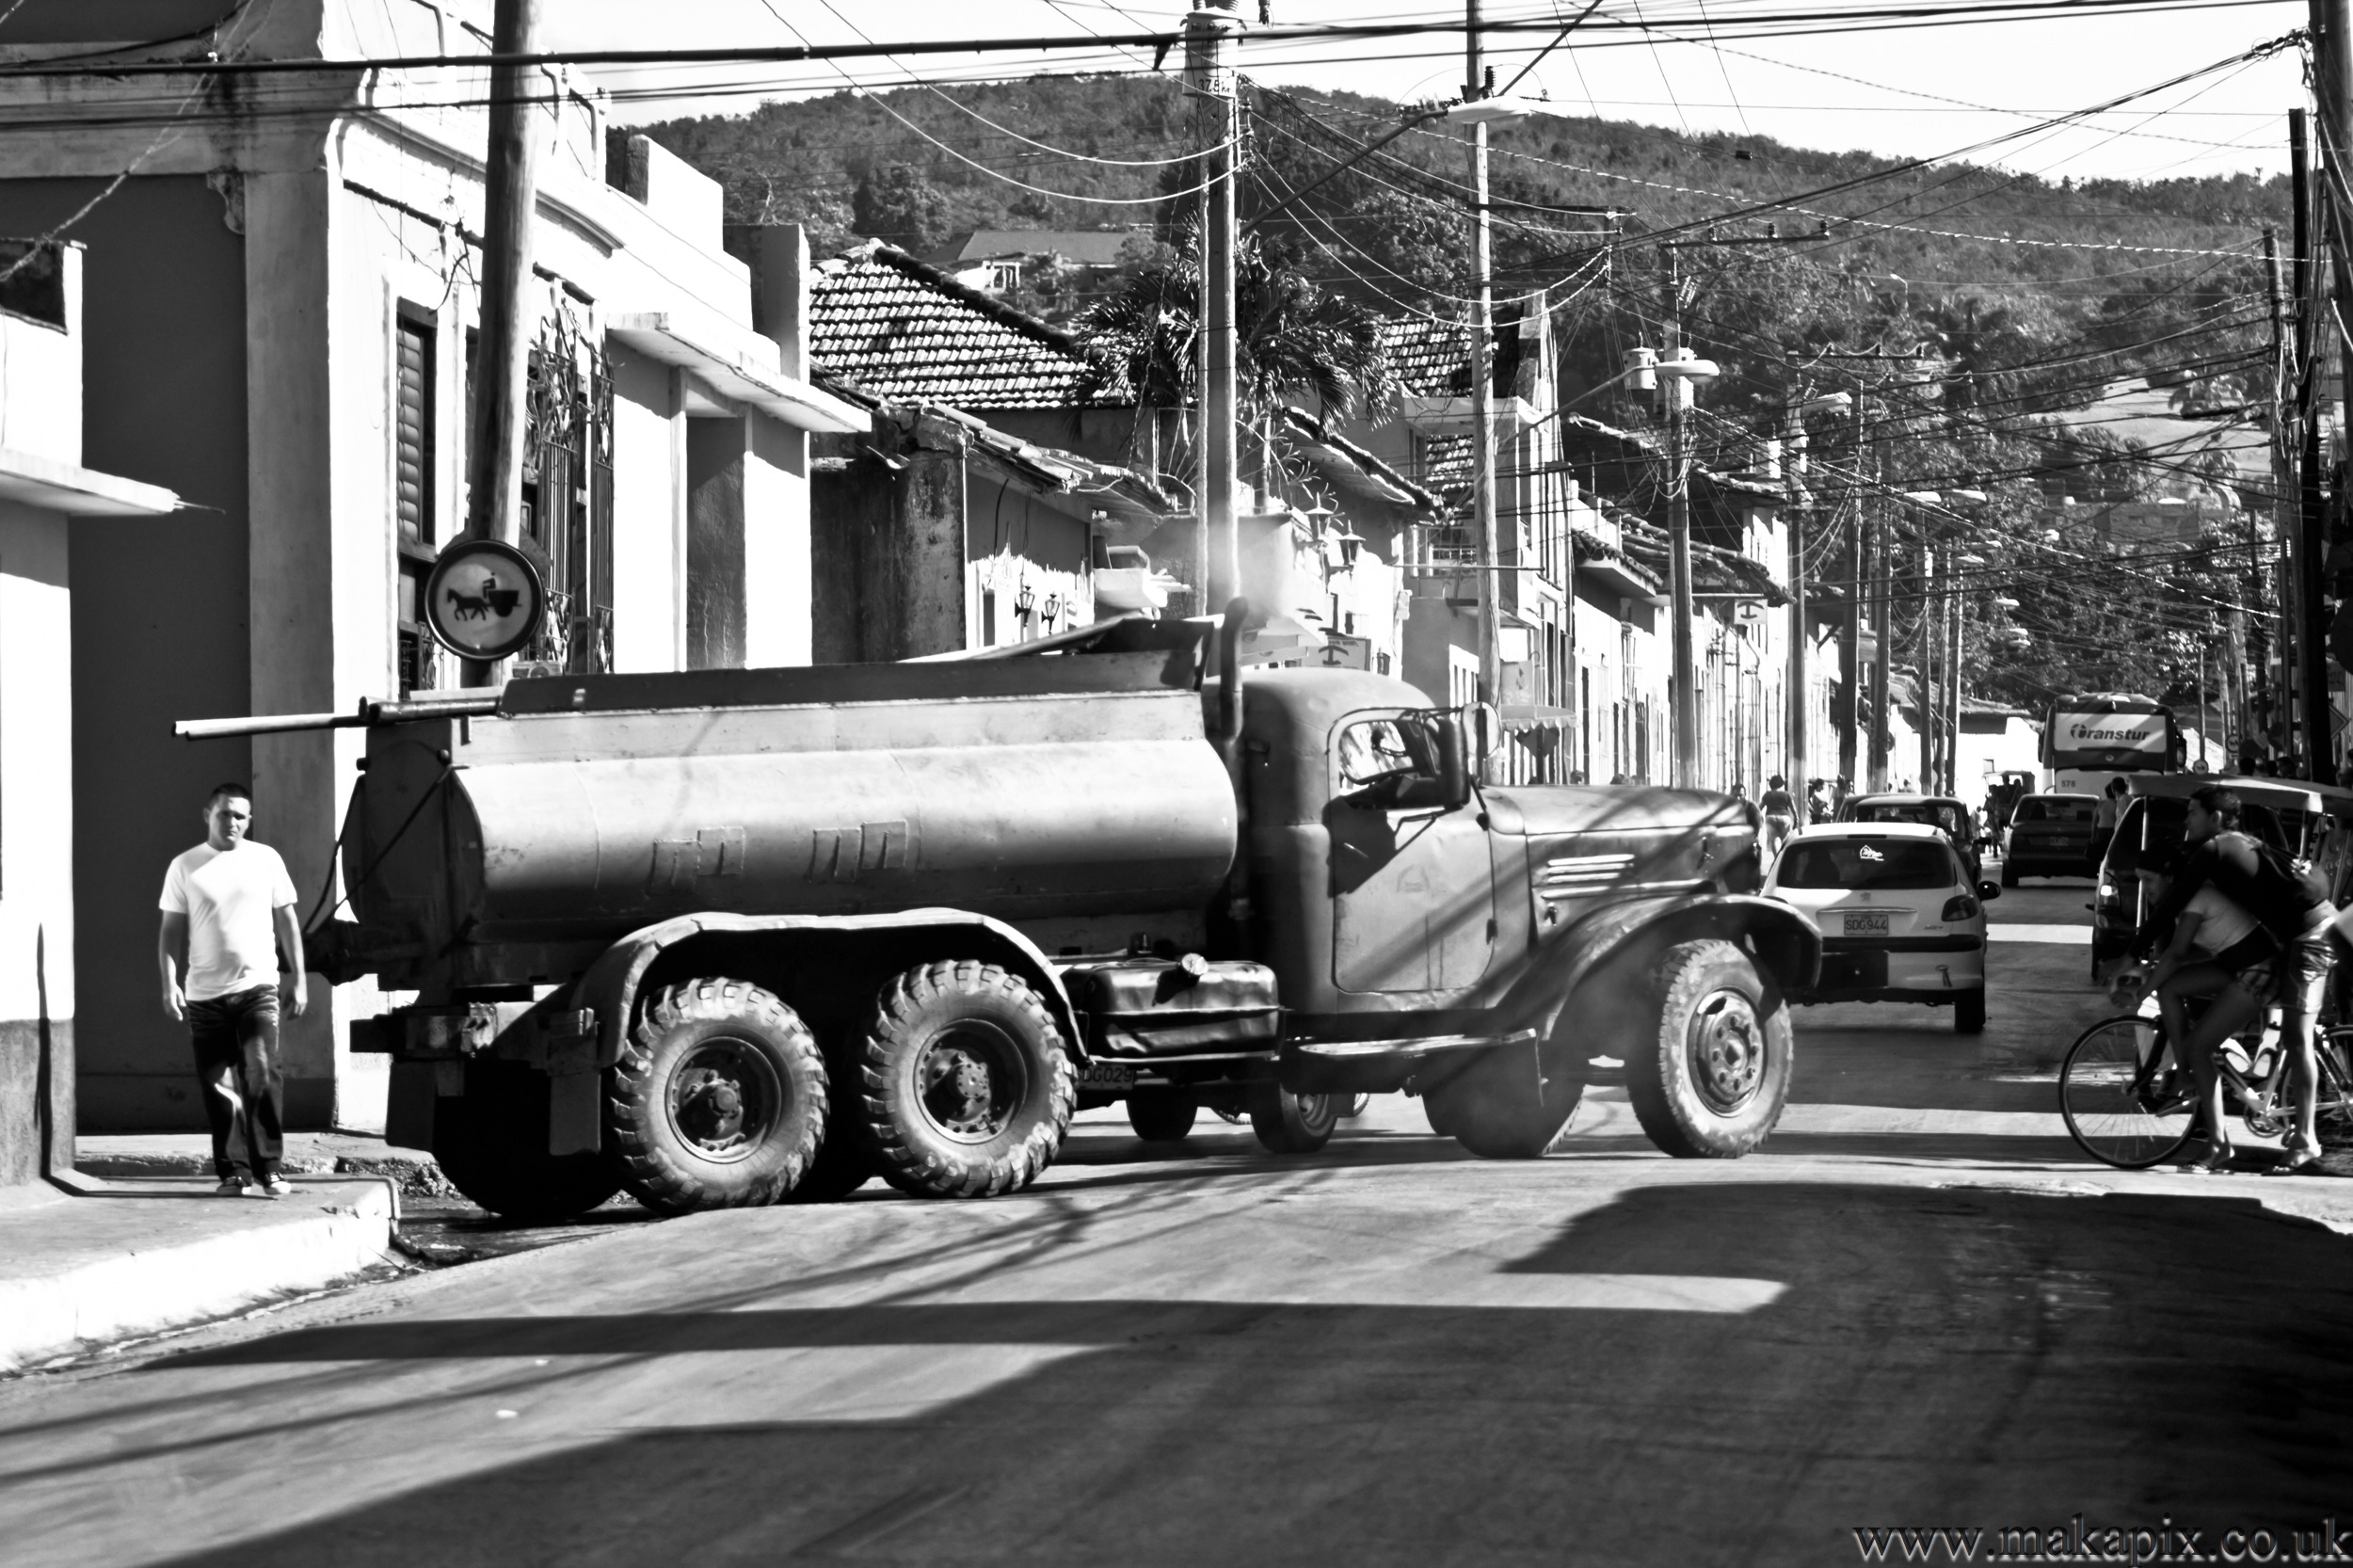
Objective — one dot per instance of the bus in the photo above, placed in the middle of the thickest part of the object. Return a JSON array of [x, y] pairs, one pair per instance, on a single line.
[[2095, 736]]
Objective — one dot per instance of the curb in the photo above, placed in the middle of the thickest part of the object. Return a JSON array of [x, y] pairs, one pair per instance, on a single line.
[[149, 1290]]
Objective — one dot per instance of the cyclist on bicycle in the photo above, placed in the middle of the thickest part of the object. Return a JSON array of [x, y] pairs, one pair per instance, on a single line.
[[2214, 942], [2291, 906]]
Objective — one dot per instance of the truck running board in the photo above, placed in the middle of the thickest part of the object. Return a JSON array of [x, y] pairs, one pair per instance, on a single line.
[[1379, 1066]]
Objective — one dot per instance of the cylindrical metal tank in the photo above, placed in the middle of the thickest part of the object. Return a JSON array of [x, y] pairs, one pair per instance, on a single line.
[[1023, 810]]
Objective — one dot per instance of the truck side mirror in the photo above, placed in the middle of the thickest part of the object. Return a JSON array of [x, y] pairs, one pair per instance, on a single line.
[[1453, 770]]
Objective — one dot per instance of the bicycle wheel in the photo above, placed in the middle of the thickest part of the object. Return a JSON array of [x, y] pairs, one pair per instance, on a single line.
[[2120, 1113]]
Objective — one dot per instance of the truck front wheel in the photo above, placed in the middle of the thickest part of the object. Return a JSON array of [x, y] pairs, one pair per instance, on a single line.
[[720, 1100], [1161, 1115], [966, 1084], [1709, 1070], [1511, 1102], [1292, 1123], [492, 1144]]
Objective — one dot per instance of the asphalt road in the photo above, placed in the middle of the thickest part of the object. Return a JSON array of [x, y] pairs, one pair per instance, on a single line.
[[1916, 1306]]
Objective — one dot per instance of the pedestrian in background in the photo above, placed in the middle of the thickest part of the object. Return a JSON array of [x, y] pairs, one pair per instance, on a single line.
[[227, 914], [1780, 812]]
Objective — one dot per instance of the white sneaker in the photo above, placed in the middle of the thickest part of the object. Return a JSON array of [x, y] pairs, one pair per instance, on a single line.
[[277, 1187], [253, 1190], [230, 1187]]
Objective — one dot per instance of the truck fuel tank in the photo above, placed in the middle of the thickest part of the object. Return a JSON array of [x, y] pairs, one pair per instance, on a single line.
[[573, 824]]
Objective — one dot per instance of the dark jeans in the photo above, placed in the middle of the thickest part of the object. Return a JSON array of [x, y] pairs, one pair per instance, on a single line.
[[236, 1063]]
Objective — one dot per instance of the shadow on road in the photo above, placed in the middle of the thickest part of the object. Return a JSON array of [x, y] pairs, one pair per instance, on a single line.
[[1936, 1355]]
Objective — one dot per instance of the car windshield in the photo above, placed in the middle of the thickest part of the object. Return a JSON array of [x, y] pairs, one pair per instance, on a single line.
[[2055, 810], [1878, 864], [1924, 812]]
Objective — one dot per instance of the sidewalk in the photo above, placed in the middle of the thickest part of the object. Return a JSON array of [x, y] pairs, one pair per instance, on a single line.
[[145, 1244]]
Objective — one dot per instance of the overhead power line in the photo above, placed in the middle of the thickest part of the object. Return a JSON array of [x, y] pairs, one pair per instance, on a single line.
[[1264, 36]]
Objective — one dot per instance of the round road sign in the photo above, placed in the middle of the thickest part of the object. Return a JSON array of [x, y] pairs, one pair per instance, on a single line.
[[484, 598]]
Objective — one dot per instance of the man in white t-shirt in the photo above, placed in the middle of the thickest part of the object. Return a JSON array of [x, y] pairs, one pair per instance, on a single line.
[[228, 913]]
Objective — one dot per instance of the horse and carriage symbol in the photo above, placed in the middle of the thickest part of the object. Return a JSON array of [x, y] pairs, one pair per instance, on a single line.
[[484, 598], [491, 601]]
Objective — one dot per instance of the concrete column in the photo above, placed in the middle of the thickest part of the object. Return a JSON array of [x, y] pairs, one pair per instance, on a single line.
[[647, 431], [36, 1099], [776, 567]]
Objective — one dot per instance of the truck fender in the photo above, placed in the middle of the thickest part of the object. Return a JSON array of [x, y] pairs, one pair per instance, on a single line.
[[1784, 943], [611, 982]]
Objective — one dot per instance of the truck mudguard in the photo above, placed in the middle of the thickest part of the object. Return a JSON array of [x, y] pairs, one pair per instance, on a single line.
[[1786, 946], [611, 981]]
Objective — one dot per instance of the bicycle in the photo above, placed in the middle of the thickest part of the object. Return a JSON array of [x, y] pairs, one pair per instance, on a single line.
[[2129, 1102]]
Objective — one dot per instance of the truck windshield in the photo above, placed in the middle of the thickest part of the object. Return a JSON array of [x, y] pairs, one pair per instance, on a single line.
[[1881, 864], [1381, 748]]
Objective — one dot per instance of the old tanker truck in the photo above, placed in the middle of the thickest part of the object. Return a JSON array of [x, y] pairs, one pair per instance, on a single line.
[[729, 937]]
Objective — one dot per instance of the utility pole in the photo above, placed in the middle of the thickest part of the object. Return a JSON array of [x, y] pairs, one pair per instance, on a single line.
[[1882, 640], [1952, 669], [1210, 77], [1930, 678], [2283, 487], [2332, 90], [2308, 673], [494, 493], [1850, 634], [1683, 696], [1793, 457], [1474, 87]]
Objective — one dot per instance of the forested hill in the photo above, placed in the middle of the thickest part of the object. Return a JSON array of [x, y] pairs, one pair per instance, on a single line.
[[2014, 300], [867, 163]]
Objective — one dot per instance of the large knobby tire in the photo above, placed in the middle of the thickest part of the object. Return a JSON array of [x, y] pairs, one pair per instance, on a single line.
[[492, 1144], [1511, 1102], [1969, 1013], [720, 1100], [1292, 1123], [1708, 1079], [1162, 1115], [965, 1082]]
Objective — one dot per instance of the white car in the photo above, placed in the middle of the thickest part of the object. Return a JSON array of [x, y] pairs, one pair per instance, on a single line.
[[1900, 920]]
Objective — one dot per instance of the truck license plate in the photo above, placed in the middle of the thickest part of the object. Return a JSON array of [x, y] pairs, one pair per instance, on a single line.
[[1874, 924]]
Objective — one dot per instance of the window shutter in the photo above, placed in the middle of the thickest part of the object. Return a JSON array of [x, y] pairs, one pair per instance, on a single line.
[[412, 471]]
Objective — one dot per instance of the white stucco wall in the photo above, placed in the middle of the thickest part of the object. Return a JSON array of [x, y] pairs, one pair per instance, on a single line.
[[36, 765]]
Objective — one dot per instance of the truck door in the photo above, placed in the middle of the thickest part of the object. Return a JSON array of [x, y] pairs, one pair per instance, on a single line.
[[1413, 894]]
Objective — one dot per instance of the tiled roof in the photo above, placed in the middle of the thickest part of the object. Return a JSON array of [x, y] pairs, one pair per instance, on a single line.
[[1431, 358], [892, 326]]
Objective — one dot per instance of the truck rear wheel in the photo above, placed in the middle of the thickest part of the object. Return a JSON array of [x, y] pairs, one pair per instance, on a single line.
[[1513, 1102], [492, 1144], [1709, 1079], [720, 1100], [1292, 1123], [1161, 1115], [966, 1084]]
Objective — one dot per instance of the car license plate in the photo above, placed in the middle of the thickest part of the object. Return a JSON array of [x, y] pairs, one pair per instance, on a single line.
[[1873, 924]]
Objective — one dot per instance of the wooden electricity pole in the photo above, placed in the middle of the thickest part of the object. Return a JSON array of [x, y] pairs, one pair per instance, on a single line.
[[1210, 31], [494, 472], [1482, 332]]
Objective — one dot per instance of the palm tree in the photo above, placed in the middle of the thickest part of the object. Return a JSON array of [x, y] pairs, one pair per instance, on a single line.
[[1297, 342]]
